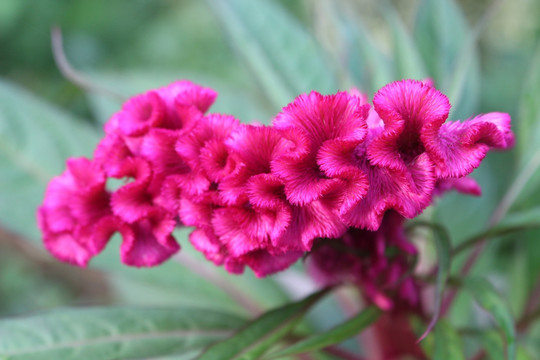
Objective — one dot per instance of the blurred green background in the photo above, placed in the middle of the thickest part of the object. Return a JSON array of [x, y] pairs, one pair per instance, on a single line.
[[480, 53]]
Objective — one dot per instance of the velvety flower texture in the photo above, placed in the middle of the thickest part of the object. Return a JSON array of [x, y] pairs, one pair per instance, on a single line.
[[390, 157], [332, 175]]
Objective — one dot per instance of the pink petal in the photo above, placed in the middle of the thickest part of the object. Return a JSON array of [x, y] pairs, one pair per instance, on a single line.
[[79, 246], [141, 113], [148, 242], [207, 243], [319, 219], [266, 191], [264, 264], [410, 110], [78, 196], [310, 121], [407, 192], [66, 247], [336, 158], [111, 152], [464, 185], [196, 214], [188, 93], [186, 102], [304, 181], [133, 201], [253, 148], [158, 148], [245, 229], [324, 117], [459, 147]]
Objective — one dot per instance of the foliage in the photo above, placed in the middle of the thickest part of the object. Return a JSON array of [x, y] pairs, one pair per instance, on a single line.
[[259, 55]]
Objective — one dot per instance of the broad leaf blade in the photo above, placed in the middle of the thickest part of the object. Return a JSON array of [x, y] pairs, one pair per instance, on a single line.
[[258, 336], [35, 141], [281, 54], [112, 333], [486, 296], [231, 100], [335, 335]]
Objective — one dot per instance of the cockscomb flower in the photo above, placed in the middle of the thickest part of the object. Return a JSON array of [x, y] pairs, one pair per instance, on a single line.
[[330, 167], [413, 149], [253, 223]]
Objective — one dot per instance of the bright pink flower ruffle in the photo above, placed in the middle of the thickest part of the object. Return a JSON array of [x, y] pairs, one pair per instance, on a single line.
[[75, 214], [331, 173]]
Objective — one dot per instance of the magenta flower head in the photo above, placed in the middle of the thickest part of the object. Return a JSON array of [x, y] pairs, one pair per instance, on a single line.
[[390, 157], [330, 167], [76, 218]]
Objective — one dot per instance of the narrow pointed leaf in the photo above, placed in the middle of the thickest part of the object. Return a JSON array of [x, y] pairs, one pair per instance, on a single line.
[[448, 47], [409, 63], [496, 232], [112, 333], [258, 336], [368, 65], [281, 54], [440, 32], [448, 344], [333, 336], [488, 298], [443, 247], [493, 344], [528, 129]]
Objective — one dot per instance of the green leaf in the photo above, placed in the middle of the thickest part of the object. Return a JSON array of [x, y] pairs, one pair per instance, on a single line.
[[112, 333], [35, 141], [195, 283], [258, 336], [448, 47], [488, 298], [369, 66], [278, 50], [440, 32], [528, 137], [493, 344], [448, 344], [443, 247], [409, 63], [496, 231], [231, 99], [523, 354], [333, 336], [528, 127]]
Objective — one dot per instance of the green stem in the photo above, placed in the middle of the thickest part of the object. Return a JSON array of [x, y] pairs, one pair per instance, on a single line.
[[496, 231]]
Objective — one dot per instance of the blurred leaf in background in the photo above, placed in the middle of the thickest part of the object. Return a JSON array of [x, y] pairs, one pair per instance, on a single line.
[[259, 55]]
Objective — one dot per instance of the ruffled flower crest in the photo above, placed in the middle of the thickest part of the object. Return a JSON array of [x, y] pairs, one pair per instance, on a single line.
[[331, 173]]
